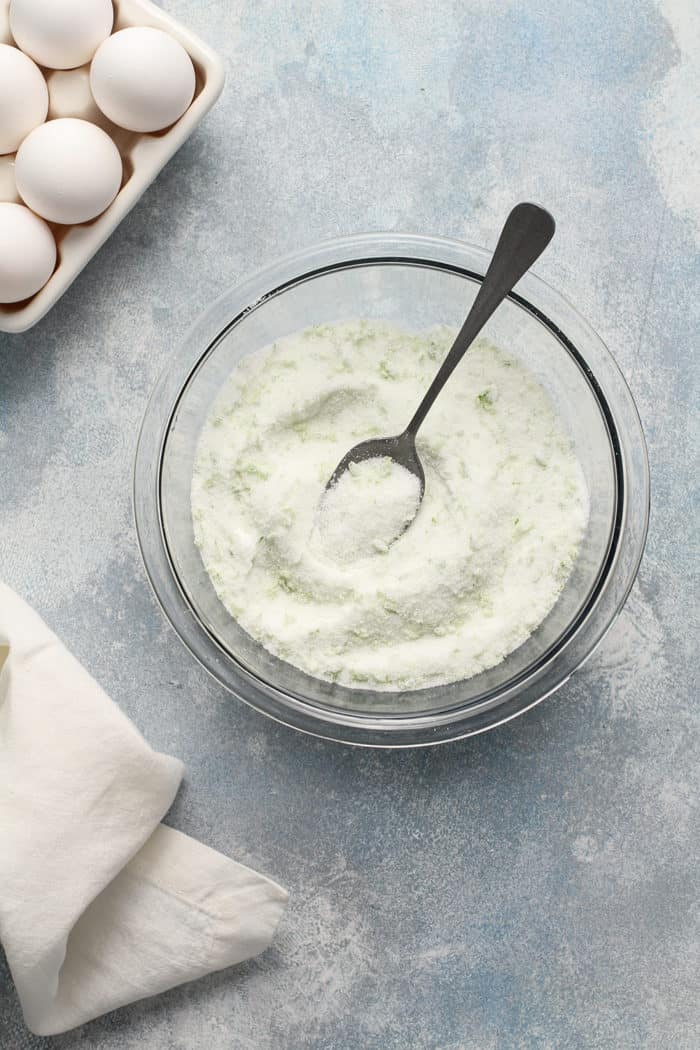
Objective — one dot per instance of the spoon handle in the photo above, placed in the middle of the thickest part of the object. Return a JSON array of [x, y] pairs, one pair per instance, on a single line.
[[526, 233]]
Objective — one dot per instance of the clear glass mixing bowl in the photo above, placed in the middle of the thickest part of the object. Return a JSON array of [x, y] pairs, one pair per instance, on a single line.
[[416, 282]]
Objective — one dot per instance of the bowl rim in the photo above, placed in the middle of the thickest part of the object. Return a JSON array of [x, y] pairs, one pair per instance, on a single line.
[[580, 639]]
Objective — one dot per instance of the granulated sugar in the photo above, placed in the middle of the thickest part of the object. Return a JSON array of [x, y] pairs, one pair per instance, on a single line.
[[366, 509], [330, 581]]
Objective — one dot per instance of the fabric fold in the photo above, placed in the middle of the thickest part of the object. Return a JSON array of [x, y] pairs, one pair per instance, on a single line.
[[100, 904]]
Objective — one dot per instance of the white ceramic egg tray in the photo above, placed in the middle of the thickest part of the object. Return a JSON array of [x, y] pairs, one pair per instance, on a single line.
[[143, 156]]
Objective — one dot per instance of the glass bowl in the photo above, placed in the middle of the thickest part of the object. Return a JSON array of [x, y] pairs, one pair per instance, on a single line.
[[415, 282]]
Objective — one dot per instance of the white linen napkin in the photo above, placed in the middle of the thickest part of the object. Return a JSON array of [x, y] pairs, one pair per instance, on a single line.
[[100, 904]]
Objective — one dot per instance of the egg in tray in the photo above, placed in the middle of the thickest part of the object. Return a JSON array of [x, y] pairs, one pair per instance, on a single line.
[[95, 97]]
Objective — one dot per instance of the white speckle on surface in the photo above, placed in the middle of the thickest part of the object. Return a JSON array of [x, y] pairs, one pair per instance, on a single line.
[[635, 644], [585, 848], [672, 116]]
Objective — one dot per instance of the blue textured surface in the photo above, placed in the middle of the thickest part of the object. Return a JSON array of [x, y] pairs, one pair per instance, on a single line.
[[536, 887]]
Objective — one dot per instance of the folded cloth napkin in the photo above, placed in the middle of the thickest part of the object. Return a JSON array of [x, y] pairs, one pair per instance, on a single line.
[[100, 904]]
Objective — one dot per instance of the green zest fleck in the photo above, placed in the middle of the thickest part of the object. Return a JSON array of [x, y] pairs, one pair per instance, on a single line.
[[388, 604], [255, 472], [563, 570], [484, 399]]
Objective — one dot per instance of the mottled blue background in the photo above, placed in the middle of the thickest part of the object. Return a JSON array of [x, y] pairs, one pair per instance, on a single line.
[[535, 887]]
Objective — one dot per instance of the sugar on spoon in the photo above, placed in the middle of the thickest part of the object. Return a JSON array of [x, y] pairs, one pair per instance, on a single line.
[[526, 233]]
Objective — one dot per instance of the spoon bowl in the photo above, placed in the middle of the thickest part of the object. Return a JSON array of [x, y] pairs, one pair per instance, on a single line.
[[401, 449]]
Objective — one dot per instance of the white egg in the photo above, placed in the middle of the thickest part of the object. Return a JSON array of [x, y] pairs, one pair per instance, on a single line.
[[68, 170], [24, 98], [27, 253], [142, 79], [60, 34]]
